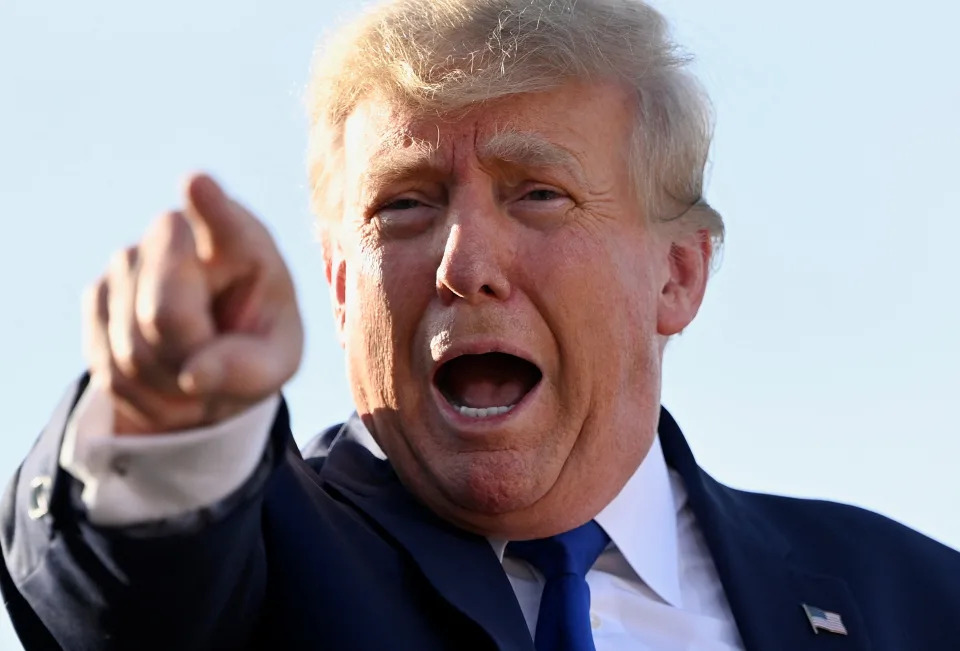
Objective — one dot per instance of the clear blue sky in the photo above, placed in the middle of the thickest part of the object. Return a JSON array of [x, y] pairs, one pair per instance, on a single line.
[[824, 362]]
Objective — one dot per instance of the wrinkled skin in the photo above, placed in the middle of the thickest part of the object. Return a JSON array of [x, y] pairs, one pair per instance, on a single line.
[[548, 258]]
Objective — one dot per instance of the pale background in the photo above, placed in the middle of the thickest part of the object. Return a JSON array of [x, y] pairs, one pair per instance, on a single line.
[[824, 360]]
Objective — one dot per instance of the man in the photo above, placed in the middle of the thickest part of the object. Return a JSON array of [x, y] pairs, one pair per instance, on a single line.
[[509, 197]]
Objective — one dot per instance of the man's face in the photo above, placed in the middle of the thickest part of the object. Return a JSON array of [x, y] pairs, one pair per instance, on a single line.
[[504, 303]]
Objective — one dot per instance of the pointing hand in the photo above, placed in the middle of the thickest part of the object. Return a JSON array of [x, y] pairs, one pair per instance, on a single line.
[[196, 322]]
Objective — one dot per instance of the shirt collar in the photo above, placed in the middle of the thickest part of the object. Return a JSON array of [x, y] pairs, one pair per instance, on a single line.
[[642, 524]]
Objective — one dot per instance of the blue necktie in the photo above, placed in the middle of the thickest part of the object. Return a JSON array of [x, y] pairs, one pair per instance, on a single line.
[[564, 620]]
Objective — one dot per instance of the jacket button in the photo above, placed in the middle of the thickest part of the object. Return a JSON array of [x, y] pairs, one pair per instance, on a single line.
[[39, 497]]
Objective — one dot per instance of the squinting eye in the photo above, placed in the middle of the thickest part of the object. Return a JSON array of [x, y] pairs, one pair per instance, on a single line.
[[543, 194], [403, 217], [402, 204]]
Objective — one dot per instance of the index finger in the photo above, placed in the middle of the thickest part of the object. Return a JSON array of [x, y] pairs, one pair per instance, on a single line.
[[220, 226]]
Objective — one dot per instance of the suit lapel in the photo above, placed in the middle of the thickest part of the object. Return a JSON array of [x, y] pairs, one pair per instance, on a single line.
[[461, 566], [765, 591]]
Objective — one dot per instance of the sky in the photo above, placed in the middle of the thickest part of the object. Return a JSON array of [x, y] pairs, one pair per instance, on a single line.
[[823, 362]]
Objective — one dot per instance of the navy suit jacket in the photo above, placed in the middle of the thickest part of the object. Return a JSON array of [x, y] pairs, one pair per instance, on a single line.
[[327, 550]]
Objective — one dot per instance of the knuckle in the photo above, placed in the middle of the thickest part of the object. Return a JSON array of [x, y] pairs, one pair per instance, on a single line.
[[93, 296], [123, 260], [126, 361], [159, 311], [165, 220], [166, 227], [170, 219], [118, 329], [168, 318], [155, 247], [138, 364]]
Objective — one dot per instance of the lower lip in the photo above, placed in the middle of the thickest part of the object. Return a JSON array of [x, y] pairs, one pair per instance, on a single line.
[[480, 425]]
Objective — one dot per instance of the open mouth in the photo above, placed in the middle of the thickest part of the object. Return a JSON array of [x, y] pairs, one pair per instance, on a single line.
[[486, 385]]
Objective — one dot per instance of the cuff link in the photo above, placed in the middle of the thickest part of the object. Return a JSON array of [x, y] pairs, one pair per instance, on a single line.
[[40, 488]]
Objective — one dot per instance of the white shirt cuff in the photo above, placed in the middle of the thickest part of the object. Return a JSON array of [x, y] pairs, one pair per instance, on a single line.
[[132, 480]]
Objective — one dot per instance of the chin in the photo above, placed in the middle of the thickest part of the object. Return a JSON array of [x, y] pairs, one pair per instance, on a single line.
[[492, 483]]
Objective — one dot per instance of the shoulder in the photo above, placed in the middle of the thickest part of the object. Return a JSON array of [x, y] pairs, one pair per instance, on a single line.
[[846, 522], [317, 448], [854, 541]]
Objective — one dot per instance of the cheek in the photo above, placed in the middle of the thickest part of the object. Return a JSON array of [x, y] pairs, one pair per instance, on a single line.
[[388, 290], [600, 296], [408, 279]]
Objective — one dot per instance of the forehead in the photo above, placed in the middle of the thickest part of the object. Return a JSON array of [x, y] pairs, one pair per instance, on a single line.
[[572, 123]]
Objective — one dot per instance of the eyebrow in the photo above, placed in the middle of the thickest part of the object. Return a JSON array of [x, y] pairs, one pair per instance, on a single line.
[[526, 148], [400, 155]]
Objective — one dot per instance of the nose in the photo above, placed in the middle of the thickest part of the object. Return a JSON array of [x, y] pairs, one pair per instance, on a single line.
[[475, 256]]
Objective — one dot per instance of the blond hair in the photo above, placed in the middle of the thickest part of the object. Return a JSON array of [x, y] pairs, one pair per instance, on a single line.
[[444, 55]]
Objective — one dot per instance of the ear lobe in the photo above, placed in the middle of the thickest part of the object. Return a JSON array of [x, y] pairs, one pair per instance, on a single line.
[[335, 270], [682, 293]]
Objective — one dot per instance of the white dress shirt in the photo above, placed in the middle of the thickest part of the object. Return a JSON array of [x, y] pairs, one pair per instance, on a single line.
[[655, 586]]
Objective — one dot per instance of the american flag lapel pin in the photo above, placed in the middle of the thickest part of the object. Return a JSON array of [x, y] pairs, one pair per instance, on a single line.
[[824, 620]]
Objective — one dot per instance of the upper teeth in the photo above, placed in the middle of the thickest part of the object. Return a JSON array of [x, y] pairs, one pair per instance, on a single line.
[[483, 412]]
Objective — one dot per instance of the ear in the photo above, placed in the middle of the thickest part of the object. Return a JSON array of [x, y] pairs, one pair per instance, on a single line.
[[335, 270], [688, 268]]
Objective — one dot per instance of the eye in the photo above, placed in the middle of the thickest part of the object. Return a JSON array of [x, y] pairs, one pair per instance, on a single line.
[[406, 203], [540, 206], [403, 217], [542, 194]]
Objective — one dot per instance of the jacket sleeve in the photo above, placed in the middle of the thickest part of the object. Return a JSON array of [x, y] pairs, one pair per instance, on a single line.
[[131, 480], [195, 581]]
